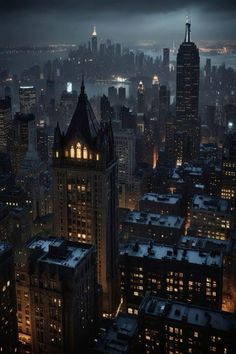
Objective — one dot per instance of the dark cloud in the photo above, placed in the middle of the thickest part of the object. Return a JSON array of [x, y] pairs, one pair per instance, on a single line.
[[132, 6]]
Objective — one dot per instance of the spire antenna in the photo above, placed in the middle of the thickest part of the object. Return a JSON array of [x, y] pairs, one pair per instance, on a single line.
[[188, 30]]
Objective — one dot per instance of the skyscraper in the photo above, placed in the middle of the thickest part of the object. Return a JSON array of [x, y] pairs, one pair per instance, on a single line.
[[27, 96], [5, 123], [85, 192], [187, 96], [141, 98], [94, 41]]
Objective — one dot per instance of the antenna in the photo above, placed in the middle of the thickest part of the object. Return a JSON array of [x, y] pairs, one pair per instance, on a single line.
[[188, 29]]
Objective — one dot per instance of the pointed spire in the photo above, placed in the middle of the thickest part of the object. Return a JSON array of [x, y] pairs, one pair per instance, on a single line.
[[188, 30]]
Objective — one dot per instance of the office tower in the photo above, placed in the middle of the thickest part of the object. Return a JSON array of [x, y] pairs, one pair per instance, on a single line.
[[28, 99], [155, 93], [8, 322], [165, 229], [21, 126], [121, 95], [228, 183], [42, 140], [164, 109], [166, 59], [125, 152], [230, 117], [50, 90], [208, 73], [187, 97], [127, 118], [94, 41], [85, 192], [141, 105], [62, 291], [177, 327], [170, 272], [106, 111], [67, 107], [112, 95], [5, 123], [211, 217], [118, 50]]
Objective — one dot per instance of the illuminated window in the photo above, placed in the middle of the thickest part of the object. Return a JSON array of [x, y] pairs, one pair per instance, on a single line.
[[72, 152], [85, 153], [97, 157], [78, 151], [66, 153], [57, 154]]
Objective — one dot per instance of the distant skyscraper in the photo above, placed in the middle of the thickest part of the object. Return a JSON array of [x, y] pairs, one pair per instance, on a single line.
[[228, 187], [94, 41], [68, 104], [187, 95], [121, 94], [141, 98], [5, 123], [85, 192], [166, 59], [112, 95], [27, 96], [106, 110]]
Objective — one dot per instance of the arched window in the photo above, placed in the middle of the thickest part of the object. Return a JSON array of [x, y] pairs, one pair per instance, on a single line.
[[72, 152], [78, 151], [85, 153]]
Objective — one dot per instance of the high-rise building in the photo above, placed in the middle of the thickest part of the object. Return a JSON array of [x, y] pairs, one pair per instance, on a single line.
[[5, 123], [121, 94], [62, 292], [85, 192], [68, 104], [166, 59], [106, 110], [94, 41], [8, 322], [141, 107], [228, 184], [187, 96], [27, 96]]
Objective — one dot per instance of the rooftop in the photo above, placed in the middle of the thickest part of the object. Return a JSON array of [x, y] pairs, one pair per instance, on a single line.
[[117, 337], [59, 251], [162, 198], [140, 217], [204, 243], [208, 203], [192, 315], [168, 253]]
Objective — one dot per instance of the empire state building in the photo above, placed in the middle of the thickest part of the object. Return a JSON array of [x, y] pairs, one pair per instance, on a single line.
[[187, 98]]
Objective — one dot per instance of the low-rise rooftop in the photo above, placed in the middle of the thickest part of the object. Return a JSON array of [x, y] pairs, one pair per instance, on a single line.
[[208, 203], [168, 253], [192, 315], [140, 217], [162, 198]]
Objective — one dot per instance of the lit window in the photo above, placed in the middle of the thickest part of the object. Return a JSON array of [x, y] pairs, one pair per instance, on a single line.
[[57, 154], [85, 153], [78, 151], [97, 157], [72, 152]]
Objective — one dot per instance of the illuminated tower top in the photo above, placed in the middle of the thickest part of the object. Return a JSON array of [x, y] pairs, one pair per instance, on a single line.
[[94, 33]]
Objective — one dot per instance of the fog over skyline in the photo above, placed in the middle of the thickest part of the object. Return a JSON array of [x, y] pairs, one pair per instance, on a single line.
[[130, 22]]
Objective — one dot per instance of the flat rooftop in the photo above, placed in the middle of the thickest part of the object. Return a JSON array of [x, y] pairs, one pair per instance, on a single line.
[[140, 217], [162, 198], [192, 315], [208, 203], [204, 243], [59, 251], [117, 338], [168, 253]]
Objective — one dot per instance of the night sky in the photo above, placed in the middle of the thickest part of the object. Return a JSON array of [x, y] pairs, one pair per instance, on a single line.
[[128, 21]]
